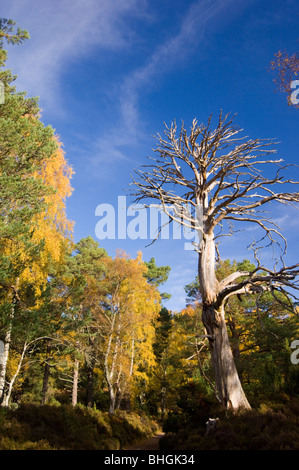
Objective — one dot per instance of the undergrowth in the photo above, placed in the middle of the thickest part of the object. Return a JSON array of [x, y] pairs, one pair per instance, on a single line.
[[258, 429], [64, 427]]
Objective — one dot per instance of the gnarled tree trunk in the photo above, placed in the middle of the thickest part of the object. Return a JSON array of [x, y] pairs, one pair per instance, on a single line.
[[227, 381], [228, 385]]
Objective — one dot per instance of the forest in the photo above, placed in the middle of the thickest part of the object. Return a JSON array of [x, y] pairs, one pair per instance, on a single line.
[[90, 356]]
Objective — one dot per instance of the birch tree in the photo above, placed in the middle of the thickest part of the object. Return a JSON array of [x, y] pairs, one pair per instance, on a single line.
[[211, 180], [26, 144], [124, 318]]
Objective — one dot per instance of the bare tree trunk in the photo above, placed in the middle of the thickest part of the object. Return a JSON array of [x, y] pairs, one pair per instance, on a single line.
[[112, 403], [90, 375], [45, 383], [75, 383], [110, 367], [7, 394], [118, 400], [227, 381], [4, 359], [7, 339], [46, 376], [109, 376]]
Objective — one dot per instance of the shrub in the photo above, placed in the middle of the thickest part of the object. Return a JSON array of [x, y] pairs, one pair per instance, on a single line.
[[252, 430], [70, 428]]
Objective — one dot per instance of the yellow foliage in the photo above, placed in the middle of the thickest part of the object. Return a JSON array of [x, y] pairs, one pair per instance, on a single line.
[[12, 365], [52, 225], [127, 320]]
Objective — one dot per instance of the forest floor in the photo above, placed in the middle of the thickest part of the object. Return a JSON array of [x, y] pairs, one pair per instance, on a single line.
[[151, 443]]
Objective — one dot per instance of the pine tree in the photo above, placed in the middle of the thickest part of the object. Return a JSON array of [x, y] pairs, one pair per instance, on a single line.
[[30, 199]]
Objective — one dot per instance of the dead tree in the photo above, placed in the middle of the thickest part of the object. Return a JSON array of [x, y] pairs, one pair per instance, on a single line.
[[210, 180]]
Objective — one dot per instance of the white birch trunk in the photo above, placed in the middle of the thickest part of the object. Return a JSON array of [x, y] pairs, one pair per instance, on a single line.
[[75, 383], [7, 395], [5, 355]]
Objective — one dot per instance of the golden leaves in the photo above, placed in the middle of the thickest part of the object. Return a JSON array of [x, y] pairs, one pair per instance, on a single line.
[[52, 225]]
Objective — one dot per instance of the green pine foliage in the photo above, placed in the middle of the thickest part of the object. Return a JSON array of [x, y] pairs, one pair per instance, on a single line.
[[24, 143]]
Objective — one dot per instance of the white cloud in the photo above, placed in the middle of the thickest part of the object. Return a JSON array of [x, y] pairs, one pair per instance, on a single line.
[[172, 53], [62, 31]]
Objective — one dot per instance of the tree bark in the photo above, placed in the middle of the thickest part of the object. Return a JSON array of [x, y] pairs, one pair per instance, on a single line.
[[75, 383], [90, 375], [112, 403], [4, 360], [7, 340], [45, 383], [228, 385], [7, 394], [227, 381], [46, 376]]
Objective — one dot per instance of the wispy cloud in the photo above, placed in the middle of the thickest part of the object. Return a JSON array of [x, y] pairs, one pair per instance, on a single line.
[[170, 54], [62, 31]]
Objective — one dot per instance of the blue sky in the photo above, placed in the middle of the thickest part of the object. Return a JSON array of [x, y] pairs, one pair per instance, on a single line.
[[110, 73]]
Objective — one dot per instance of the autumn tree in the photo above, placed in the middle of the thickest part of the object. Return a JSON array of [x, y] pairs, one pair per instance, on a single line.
[[161, 347], [286, 68], [24, 144], [85, 270], [38, 246], [35, 182], [210, 180], [126, 308]]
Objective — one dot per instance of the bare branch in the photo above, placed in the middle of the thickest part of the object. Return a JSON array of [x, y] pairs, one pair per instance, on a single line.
[[232, 179], [228, 186]]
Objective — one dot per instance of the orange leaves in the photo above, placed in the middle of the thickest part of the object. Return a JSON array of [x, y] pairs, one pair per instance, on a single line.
[[56, 174], [52, 225], [287, 70]]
